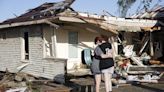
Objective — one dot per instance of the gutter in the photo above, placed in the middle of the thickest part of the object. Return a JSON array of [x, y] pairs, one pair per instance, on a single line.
[[22, 23], [41, 21]]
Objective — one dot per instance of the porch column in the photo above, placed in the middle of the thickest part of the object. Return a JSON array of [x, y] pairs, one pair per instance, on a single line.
[[151, 44], [54, 41]]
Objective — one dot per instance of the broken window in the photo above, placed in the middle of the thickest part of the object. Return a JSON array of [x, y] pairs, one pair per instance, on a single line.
[[26, 45]]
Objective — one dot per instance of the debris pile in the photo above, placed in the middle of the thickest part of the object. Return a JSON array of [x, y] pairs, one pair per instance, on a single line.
[[22, 82], [132, 67]]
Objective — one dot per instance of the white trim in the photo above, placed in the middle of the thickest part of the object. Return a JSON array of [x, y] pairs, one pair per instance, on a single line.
[[55, 42], [22, 47], [22, 23], [52, 39], [22, 44], [71, 19]]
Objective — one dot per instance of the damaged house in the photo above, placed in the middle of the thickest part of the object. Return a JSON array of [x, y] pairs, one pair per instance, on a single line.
[[47, 41], [156, 13], [147, 38], [140, 45]]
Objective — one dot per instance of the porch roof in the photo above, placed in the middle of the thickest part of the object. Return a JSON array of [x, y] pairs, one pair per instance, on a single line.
[[127, 24], [134, 25], [91, 24]]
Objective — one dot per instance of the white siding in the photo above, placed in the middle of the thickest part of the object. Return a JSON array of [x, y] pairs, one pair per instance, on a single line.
[[10, 53], [85, 40], [10, 50]]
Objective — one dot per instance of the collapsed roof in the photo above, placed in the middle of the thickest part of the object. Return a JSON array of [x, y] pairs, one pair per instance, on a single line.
[[45, 10], [51, 13], [156, 12]]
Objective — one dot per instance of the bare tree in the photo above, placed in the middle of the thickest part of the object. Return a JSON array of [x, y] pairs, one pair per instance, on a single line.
[[125, 5]]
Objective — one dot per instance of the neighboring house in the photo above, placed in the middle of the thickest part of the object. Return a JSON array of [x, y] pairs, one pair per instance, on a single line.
[[156, 13], [47, 41], [144, 30]]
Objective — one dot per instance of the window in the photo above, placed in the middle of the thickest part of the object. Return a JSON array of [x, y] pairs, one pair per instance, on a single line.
[[73, 44], [26, 45], [3, 35]]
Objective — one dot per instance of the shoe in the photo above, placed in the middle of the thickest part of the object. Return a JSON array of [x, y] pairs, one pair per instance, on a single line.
[[115, 85]]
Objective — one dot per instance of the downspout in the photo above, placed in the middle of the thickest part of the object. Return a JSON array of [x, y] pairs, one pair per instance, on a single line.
[[151, 44]]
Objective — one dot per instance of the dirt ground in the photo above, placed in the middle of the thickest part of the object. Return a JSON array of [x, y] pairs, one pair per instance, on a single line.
[[78, 84], [86, 85], [149, 87]]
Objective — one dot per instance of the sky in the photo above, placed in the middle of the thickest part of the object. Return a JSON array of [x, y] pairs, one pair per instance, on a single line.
[[12, 8]]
